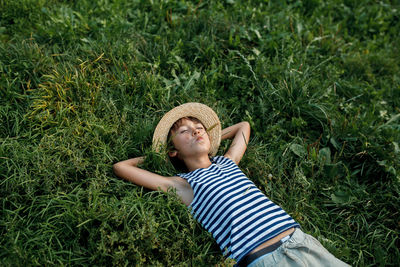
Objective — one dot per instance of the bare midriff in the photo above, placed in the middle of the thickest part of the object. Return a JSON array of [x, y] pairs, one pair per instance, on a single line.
[[272, 241]]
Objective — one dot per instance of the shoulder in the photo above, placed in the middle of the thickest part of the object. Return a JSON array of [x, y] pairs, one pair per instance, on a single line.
[[224, 161], [179, 182], [183, 189]]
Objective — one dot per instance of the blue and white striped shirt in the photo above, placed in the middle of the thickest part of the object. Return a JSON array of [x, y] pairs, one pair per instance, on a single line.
[[228, 205]]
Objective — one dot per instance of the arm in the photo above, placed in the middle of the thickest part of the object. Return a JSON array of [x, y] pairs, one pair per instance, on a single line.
[[240, 133], [128, 170]]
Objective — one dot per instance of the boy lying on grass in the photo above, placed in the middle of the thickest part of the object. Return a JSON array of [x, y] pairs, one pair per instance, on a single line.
[[247, 226]]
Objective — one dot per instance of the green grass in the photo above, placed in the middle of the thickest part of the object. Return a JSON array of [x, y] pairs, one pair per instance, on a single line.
[[83, 84]]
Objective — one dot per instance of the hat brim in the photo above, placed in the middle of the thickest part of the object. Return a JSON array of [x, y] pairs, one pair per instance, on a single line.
[[205, 114]]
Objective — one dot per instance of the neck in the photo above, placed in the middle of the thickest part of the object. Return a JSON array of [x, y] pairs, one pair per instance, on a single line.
[[197, 163]]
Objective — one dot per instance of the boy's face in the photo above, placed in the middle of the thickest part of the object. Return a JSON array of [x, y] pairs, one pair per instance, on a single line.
[[190, 139]]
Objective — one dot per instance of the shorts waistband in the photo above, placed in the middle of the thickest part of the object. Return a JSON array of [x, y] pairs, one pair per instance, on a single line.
[[252, 257]]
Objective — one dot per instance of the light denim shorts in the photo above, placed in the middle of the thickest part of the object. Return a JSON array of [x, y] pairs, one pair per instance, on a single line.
[[299, 250]]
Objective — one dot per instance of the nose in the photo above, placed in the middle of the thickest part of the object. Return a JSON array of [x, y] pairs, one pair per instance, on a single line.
[[196, 132]]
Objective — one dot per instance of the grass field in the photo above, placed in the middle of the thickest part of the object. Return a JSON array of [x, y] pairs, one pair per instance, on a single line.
[[83, 84]]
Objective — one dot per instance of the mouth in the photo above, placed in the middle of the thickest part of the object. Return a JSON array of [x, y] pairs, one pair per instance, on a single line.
[[199, 138]]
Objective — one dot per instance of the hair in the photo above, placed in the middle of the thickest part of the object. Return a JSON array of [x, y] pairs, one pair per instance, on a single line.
[[176, 162]]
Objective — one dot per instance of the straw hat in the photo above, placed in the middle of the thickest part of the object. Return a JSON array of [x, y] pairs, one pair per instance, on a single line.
[[205, 114]]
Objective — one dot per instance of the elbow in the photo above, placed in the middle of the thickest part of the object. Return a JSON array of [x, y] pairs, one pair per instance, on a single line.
[[246, 125], [116, 168]]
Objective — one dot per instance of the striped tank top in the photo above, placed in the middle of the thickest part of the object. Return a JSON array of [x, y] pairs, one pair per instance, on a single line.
[[229, 206]]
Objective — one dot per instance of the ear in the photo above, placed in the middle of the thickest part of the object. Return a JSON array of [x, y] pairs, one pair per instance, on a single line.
[[173, 153]]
